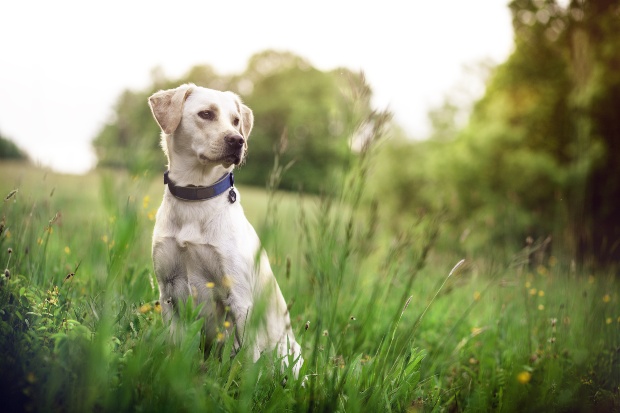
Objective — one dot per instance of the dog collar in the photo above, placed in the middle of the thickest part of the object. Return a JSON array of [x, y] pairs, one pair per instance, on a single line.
[[201, 193]]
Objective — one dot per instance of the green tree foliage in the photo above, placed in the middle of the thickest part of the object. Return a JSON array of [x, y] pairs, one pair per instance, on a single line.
[[312, 113], [537, 156], [8, 149]]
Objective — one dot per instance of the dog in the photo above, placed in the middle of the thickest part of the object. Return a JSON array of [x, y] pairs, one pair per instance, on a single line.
[[203, 245]]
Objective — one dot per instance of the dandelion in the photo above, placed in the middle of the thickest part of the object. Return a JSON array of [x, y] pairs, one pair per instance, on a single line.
[[542, 270], [533, 291], [541, 293], [226, 324], [151, 215], [608, 320], [528, 284], [606, 298], [524, 377], [210, 284], [145, 202], [552, 261], [477, 295], [220, 337], [541, 307], [39, 241], [67, 250], [145, 308], [104, 239]]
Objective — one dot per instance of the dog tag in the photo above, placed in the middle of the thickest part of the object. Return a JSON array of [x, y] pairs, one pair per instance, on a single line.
[[232, 196]]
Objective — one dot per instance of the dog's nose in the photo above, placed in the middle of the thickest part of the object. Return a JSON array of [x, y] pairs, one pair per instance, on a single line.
[[234, 141]]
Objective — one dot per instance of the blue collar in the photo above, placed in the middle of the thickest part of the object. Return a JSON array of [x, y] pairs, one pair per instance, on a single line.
[[201, 193]]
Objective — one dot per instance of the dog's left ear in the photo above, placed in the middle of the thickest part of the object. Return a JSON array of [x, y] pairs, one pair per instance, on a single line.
[[167, 107], [247, 121], [247, 117]]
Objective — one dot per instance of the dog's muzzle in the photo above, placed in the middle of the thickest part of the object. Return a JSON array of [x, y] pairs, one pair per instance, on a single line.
[[235, 146]]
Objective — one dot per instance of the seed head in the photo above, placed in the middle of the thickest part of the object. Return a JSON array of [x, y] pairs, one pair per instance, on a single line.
[[307, 326], [7, 273], [11, 194], [10, 250]]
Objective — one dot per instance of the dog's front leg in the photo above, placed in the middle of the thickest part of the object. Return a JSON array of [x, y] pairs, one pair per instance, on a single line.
[[171, 276]]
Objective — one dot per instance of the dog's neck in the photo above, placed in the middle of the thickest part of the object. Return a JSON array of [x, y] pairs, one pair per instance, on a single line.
[[197, 175]]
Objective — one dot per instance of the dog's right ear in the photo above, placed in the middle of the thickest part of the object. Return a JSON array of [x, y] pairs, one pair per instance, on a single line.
[[167, 107]]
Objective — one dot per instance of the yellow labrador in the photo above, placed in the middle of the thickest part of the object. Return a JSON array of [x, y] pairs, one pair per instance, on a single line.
[[203, 245]]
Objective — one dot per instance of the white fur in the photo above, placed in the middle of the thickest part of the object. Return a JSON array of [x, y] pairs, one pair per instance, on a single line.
[[200, 242]]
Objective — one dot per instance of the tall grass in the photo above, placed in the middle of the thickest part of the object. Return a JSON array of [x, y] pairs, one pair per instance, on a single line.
[[383, 323]]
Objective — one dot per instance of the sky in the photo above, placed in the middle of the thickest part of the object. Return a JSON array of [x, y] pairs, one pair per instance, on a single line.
[[63, 64]]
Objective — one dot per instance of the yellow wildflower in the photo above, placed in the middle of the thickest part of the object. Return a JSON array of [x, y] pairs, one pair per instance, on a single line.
[[608, 320], [533, 291], [477, 295], [67, 250], [606, 298], [541, 307], [226, 324], [541, 293], [524, 377], [210, 284], [145, 308]]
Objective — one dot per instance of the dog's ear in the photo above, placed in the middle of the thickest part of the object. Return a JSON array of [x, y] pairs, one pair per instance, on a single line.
[[167, 107], [247, 117], [247, 121]]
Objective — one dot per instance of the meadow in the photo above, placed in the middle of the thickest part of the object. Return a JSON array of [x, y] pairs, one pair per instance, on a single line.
[[387, 321]]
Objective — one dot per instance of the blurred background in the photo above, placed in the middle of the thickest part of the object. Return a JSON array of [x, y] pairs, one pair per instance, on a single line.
[[504, 115]]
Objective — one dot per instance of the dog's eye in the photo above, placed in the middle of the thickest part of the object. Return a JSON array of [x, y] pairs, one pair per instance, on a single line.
[[207, 115], [236, 121]]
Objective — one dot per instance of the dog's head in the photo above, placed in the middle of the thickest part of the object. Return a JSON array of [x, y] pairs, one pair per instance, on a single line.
[[202, 125]]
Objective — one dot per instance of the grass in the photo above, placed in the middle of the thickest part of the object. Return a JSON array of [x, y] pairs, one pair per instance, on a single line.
[[382, 325]]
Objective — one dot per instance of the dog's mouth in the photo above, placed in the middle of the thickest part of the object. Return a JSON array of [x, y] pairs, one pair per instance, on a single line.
[[230, 158]]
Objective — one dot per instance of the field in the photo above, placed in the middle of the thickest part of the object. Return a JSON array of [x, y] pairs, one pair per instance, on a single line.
[[386, 322]]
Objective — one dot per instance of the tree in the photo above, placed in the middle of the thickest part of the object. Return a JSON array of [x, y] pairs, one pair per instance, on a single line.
[[8, 149]]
